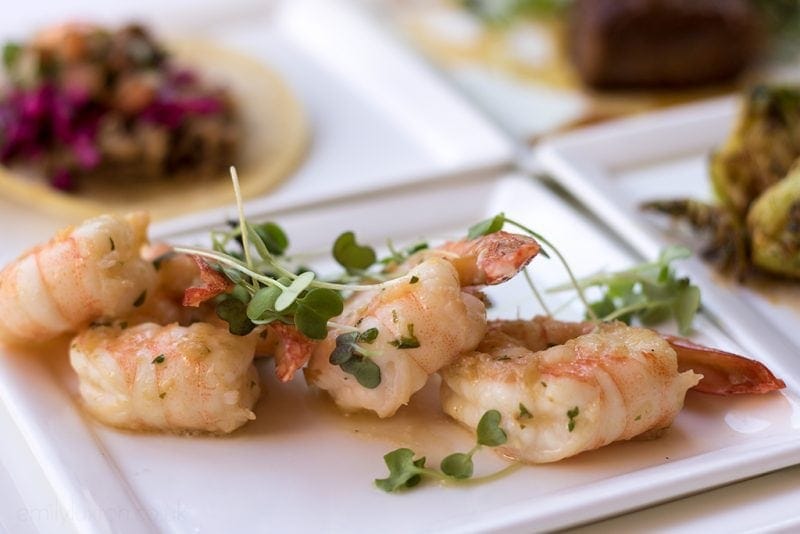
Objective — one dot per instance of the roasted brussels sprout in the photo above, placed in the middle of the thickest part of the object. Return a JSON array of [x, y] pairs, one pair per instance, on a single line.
[[773, 223], [761, 150]]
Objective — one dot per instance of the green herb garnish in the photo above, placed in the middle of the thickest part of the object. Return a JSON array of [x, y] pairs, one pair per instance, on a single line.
[[351, 255], [572, 414], [355, 360], [158, 359], [650, 292], [407, 341], [405, 472]]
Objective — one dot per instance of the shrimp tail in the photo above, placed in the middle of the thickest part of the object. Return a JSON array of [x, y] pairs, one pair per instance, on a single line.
[[293, 350], [723, 373], [493, 258], [212, 283]]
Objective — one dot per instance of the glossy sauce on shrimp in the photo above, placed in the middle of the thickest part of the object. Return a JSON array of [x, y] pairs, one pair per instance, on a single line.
[[583, 392], [433, 311], [85, 273], [424, 320], [175, 378]]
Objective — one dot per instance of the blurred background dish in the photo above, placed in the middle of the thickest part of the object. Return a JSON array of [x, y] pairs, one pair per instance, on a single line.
[[540, 66], [97, 120]]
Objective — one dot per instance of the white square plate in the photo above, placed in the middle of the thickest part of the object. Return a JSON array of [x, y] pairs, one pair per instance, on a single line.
[[303, 467], [614, 167]]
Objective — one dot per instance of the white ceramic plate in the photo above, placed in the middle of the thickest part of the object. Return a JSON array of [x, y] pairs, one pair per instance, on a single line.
[[302, 466], [614, 167], [378, 115]]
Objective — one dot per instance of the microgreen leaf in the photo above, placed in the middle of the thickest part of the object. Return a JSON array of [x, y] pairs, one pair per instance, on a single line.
[[650, 292], [345, 348], [487, 226], [457, 465], [240, 293], [351, 255], [314, 310], [234, 312], [273, 237], [258, 242], [369, 335], [290, 294], [353, 360], [687, 302], [263, 300], [366, 372], [489, 431], [402, 470]]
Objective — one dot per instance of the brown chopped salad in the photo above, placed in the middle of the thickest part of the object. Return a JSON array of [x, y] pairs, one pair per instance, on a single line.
[[85, 103]]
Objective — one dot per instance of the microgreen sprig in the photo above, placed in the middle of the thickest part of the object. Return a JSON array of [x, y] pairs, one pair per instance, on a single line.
[[650, 292], [355, 360], [407, 472]]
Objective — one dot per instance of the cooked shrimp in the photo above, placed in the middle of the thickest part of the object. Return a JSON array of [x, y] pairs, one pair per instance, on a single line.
[[175, 275], [152, 377], [487, 260], [724, 373], [611, 384], [424, 320], [84, 273]]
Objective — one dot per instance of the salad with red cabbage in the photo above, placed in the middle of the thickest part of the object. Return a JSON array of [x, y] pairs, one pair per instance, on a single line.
[[82, 102]]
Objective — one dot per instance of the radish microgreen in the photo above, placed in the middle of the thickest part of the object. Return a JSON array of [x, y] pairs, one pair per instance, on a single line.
[[650, 292], [355, 360], [406, 472], [352, 256]]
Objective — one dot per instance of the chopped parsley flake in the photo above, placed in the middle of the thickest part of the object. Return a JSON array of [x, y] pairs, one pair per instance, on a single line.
[[408, 341], [572, 414], [524, 413], [159, 359], [140, 299]]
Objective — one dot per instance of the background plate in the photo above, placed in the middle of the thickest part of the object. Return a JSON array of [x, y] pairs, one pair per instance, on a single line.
[[613, 168], [302, 466], [378, 115]]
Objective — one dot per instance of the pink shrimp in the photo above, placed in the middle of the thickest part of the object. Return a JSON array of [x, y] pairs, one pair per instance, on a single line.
[[85, 273], [567, 387], [176, 378], [424, 319], [723, 373]]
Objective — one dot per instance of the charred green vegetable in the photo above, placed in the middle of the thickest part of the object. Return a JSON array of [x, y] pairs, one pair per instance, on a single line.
[[761, 150], [757, 221], [773, 223], [726, 240]]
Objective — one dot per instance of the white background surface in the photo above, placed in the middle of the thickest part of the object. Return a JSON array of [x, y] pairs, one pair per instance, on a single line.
[[766, 503]]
